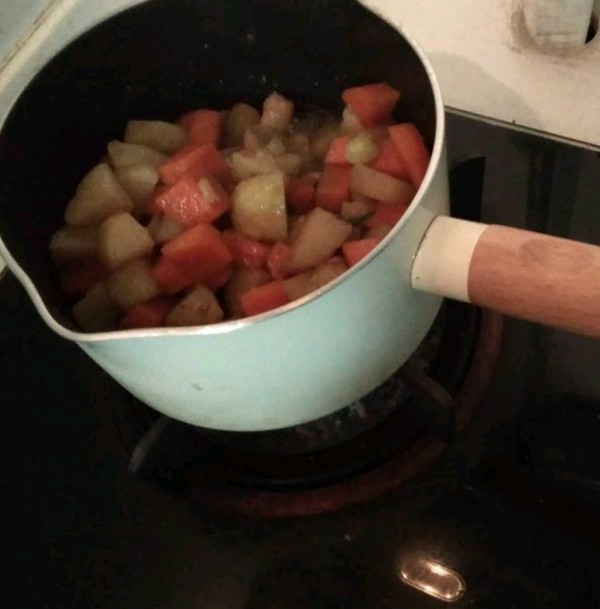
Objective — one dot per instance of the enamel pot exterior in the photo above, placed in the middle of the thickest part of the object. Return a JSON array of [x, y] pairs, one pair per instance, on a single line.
[[158, 60]]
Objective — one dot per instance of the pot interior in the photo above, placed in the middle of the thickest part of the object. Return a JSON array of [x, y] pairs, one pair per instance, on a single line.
[[165, 57]]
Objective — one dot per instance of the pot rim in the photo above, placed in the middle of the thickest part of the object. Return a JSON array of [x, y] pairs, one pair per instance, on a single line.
[[226, 327]]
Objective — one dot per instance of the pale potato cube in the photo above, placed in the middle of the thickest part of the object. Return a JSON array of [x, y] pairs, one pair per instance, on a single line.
[[98, 196], [258, 208], [238, 120], [242, 280], [277, 112], [198, 308], [73, 243], [162, 136], [247, 164], [163, 228], [133, 283], [299, 285], [139, 181], [321, 234], [97, 311], [124, 155], [356, 211], [121, 238], [261, 136], [304, 283], [328, 271]]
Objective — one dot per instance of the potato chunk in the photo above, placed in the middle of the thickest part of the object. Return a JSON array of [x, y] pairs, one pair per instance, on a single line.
[[124, 155], [98, 196], [198, 308], [97, 311], [120, 238], [74, 243], [320, 235], [133, 283], [139, 182], [162, 136], [258, 208]]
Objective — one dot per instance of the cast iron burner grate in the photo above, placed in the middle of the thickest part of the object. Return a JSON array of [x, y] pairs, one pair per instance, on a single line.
[[356, 454]]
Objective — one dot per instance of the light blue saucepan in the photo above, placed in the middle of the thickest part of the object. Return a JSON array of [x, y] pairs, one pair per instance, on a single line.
[[318, 354]]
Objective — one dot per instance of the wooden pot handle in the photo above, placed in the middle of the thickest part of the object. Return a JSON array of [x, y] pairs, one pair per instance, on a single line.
[[543, 279]]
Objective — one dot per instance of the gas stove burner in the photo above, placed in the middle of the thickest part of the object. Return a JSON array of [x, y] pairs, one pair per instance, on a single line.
[[436, 403]]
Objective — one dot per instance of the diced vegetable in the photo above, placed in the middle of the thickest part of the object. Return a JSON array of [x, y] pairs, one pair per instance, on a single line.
[[203, 127], [163, 228], [139, 182], [320, 235], [162, 136], [173, 277], [389, 160], [386, 215], [133, 283], [299, 285], [98, 196], [120, 238], [278, 260], [80, 277], [258, 208], [260, 137], [356, 212], [277, 112], [242, 280], [193, 162], [328, 271], [201, 248], [124, 155], [73, 243], [412, 150], [246, 164], [355, 251], [190, 201], [336, 155], [150, 314], [240, 118], [300, 193], [302, 284], [219, 278], [361, 149], [333, 188], [380, 186], [372, 104], [264, 298], [96, 311], [220, 216], [246, 252], [198, 308], [350, 125]]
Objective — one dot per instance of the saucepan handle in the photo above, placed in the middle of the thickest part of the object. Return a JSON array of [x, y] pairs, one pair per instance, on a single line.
[[547, 280]]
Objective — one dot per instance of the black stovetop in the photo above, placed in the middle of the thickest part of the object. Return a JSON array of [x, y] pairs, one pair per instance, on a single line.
[[512, 505]]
